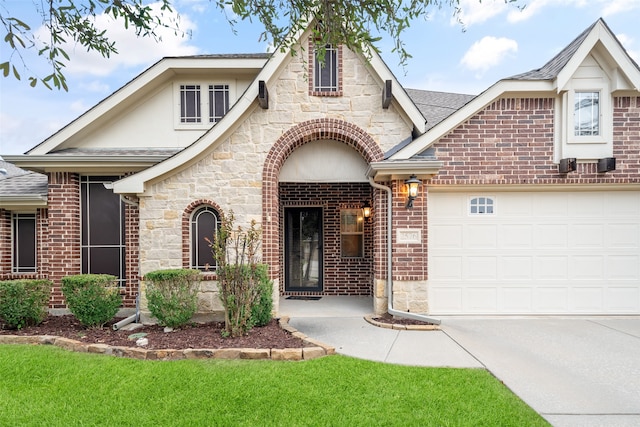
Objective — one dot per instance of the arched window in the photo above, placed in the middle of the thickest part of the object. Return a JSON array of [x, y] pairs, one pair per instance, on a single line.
[[204, 225]]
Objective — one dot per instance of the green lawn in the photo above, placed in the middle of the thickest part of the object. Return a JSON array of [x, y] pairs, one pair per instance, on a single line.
[[47, 386]]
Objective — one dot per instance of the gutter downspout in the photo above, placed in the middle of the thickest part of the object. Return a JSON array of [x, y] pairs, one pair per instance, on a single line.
[[390, 309]]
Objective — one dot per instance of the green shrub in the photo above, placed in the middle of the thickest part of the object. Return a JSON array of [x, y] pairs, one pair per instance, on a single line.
[[92, 298], [172, 295], [24, 302], [263, 305]]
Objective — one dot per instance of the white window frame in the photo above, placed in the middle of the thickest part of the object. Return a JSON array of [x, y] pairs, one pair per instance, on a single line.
[[481, 205], [332, 60], [205, 119], [16, 267]]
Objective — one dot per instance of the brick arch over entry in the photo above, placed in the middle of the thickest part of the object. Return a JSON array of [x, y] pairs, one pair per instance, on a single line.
[[297, 136]]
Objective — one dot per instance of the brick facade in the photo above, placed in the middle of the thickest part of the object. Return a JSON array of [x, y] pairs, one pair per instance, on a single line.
[[511, 141], [342, 276]]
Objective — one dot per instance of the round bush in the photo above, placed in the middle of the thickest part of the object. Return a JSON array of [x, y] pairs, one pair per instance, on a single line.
[[172, 295], [93, 299], [24, 302]]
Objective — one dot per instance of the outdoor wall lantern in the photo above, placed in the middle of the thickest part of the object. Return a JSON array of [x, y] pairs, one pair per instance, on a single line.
[[412, 188], [366, 210]]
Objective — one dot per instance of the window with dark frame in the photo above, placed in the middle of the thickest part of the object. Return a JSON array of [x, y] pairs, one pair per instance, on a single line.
[[205, 222], [325, 73], [351, 233], [103, 228], [24, 243]]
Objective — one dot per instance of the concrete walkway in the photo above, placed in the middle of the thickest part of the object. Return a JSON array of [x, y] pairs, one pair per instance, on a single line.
[[573, 371]]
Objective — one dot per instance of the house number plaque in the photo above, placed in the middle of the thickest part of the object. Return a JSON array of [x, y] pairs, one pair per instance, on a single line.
[[409, 235]]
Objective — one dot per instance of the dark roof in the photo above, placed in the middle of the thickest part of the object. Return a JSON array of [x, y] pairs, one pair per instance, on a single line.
[[437, 106], [551, 69], [8, 170], [26, 184]]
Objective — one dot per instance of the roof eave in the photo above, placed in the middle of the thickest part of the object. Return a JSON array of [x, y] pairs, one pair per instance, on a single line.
[[85, 163], [23, 202], [403, 169]]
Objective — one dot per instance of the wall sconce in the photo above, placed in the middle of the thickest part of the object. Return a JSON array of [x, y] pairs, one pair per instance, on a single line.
[[607, 164], [366, 210], [412, 188]]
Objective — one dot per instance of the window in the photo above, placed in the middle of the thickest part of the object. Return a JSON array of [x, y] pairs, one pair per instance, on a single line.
[[586, 114], [352, 233], [190, 104], [204, 225], [325, 73], [201, 104], [103, 230], [24, 243], [218, 102], [481, 206]]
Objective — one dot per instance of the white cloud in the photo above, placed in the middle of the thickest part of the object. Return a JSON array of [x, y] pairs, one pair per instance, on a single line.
[[475, 12], [614, 7], [488, 52], [133, 51]]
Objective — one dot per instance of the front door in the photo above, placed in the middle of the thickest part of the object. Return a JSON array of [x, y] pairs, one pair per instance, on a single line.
[[303, 249]]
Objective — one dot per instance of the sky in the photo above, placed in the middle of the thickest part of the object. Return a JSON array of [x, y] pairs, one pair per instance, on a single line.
[[495, 40]]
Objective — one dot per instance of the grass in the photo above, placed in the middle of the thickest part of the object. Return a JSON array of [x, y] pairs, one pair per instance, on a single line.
[[43, 385]]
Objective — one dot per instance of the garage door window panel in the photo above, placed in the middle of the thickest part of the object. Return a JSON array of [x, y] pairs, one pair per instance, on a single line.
[[482, 205]]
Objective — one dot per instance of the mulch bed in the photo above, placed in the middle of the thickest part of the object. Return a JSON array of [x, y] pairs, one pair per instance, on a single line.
[[194, 336]]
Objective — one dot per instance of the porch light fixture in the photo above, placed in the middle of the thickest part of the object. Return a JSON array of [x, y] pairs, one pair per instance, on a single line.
[[567, 165], [366, 210], [412, 188]]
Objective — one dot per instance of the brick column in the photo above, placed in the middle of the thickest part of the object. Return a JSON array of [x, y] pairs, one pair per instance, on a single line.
[[5, 244], [62, 244]]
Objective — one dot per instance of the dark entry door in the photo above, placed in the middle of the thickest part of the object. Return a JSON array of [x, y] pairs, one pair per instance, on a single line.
[[303, 249]]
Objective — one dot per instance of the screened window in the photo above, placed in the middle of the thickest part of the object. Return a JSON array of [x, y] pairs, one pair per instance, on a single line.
[[218, 102], [586, 114], [190, 104], [325, 74], [352, 233], [204, 226], [103, 230], [24, 243], [481, 206]]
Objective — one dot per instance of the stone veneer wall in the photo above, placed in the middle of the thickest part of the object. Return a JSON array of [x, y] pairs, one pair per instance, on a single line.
[[231, 173]]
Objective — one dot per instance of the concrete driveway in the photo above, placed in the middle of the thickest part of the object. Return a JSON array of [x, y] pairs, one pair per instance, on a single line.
[[574, 372]]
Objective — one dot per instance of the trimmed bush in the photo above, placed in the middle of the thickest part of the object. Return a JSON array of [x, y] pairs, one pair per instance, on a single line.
[[93, 299], [24, 302], [263, 305], [172, 295]]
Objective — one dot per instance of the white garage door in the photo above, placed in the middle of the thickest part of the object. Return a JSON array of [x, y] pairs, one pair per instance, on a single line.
[[534, 252]]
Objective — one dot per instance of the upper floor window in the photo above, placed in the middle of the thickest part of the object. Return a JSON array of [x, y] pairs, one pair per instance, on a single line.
[[586, 114], [24, 243], [190, 109], [481, 206], [204, 225], [218, 102], [198, 108], [326, 78]]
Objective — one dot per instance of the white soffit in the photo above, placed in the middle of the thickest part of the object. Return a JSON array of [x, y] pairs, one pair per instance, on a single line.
[[324, 161]]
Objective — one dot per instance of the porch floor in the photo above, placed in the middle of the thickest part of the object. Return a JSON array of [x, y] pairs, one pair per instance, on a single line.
[[327, 306]]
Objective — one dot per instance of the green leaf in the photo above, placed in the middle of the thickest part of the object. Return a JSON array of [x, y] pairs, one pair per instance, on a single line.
[[5, 69], [15, 73]]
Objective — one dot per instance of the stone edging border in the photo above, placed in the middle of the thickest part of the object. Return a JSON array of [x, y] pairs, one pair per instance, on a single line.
[[369, 319], [315, 350]]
